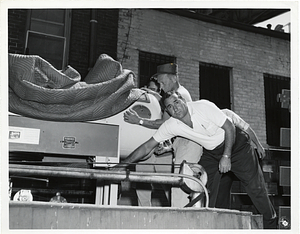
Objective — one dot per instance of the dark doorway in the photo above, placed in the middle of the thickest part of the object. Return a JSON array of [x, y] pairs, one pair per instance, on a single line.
[[215, 84]]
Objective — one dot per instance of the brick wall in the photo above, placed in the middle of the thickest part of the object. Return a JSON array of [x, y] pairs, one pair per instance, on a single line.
[[106, 42], [16, 30], [79, 41], [107, 31], [249, 54]]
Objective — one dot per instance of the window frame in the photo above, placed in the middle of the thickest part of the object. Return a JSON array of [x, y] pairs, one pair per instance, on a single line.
[[276, 116], [154, 58], [67, 33], [230, 91]]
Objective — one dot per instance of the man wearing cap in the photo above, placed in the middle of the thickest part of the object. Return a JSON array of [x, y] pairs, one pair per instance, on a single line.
[[184, 149]]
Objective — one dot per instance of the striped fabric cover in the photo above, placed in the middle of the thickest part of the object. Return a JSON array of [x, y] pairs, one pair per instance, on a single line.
[[38, 90]]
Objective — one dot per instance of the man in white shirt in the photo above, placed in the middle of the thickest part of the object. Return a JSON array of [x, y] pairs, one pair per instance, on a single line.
[[227, 179], [184, 149], [225, 148]]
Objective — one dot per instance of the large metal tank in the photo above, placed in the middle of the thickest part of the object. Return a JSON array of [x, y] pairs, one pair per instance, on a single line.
[[133, 135]]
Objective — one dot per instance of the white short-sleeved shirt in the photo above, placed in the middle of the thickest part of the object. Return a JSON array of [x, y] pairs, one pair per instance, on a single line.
[[184, 93], [236, 119], [207, 121]]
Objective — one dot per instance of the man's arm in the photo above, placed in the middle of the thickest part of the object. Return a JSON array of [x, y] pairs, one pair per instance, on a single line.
[[130, 116], [156, 94], [138, 154], [254, 139], [225, 162], [239, 122]]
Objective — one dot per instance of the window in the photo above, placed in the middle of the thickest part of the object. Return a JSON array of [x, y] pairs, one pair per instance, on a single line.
[[48, 35], [276, 116], [148, 63], [215, 84]]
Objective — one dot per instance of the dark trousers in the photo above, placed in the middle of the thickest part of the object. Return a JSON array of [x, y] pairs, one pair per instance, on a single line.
[[245, 166]]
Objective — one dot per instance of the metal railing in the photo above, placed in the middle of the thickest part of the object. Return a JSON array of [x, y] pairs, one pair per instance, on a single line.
[[173, 179]]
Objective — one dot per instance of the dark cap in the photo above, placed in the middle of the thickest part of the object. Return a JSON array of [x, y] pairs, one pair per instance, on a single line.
[[169, 68]]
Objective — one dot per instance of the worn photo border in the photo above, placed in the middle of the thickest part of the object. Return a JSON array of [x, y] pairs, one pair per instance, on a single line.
[[295, 154]]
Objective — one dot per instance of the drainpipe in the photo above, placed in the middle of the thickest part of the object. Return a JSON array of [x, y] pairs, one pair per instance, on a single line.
[[93, 38]]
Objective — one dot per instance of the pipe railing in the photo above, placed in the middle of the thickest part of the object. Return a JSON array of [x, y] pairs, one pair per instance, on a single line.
[[173, 179]]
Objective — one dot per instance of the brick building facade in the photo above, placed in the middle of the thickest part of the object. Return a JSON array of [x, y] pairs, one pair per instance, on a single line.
[[249, 55]]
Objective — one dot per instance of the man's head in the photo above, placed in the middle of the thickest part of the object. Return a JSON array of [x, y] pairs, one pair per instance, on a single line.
[[167, 77], [175, 105], [154, 86]]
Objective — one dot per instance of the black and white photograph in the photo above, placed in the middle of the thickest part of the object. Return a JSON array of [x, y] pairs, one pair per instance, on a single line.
[[163, 116]]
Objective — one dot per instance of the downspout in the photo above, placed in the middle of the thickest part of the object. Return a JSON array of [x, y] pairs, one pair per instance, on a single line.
[[93, 38]]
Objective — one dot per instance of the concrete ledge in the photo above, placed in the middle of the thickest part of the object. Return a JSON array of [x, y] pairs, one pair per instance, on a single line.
[[46, 215]]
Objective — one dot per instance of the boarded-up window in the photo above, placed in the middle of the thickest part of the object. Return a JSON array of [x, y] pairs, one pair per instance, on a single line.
[[148, 63], [215, 84], [276, 116]]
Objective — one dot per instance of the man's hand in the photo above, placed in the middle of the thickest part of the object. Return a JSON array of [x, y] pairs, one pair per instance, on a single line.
[[162, 148], [225, 164], [261, 152], [130, 116]]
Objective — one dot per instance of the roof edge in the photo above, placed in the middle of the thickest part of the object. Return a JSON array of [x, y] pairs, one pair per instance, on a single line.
[[241, 26]]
